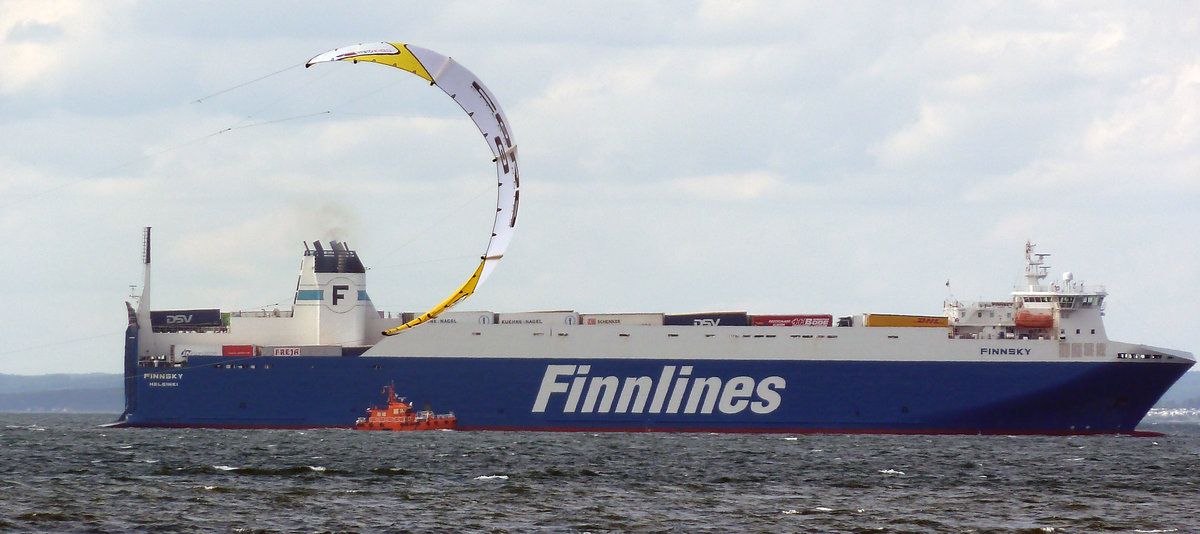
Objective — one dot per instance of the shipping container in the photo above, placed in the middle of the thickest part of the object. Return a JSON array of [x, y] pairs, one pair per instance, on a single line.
[[238, 350], [791, 320], [303, 350], [464, 317], [623, 319], [708, 319], [173, 320], [180, 352], [886, 320], [548, 318]]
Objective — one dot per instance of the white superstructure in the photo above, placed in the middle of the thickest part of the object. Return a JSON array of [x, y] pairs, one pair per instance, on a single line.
[[333, 315]]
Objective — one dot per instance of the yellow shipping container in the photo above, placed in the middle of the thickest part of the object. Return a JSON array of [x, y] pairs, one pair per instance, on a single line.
[[884, 319]]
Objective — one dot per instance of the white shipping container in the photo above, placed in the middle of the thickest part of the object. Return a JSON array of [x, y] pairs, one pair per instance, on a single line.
[[183, 351], [464, 317], [548, 318], [403, 317], [303, 350], [623, 319]]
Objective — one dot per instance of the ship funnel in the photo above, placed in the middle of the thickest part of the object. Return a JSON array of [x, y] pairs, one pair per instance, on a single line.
[[331, 296]]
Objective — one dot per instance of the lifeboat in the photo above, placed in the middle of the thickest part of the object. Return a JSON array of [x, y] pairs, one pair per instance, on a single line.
[[1028, 319], [399, 415]]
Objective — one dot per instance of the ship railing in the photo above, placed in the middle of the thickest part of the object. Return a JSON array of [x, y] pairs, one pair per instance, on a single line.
[[181, 329], [262, 313], [956, 334], [1060, 287], [158, 360], [400, 419], [330, 253]]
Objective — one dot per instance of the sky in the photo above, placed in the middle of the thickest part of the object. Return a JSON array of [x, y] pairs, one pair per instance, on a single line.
[[771, 157]]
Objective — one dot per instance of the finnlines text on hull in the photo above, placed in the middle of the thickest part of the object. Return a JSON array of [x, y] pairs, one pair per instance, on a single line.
[[631, 394]]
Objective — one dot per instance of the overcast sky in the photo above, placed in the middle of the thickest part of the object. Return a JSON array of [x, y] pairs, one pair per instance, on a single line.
[[790, 157]]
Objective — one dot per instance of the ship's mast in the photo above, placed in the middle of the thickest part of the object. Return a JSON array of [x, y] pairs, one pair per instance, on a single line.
[[1035, 268], [145, 329], [144, 299]]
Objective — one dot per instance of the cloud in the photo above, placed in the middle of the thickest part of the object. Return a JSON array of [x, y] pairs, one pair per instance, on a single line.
[[40, 38], [1145, 144], [736, 187], [923, 140], [1159, 116]]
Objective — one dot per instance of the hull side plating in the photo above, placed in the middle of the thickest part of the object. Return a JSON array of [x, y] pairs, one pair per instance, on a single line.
[[810, 396]]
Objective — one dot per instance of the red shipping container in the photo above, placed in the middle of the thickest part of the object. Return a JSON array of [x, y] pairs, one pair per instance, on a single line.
[[237, 350], [791, 320]]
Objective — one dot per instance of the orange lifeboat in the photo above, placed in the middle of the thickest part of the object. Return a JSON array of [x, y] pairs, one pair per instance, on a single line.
[[1028, 319], [399, 415]]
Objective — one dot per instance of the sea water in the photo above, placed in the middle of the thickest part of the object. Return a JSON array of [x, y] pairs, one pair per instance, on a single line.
[[64, 473]]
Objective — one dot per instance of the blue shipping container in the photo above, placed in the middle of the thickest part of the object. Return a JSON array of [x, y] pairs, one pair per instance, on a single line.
[[185, 319]]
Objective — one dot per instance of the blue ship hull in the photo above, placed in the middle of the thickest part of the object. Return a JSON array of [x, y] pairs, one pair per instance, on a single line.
[[801, 396]]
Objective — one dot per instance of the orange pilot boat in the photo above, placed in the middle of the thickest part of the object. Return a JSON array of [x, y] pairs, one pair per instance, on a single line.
[[399, 415]]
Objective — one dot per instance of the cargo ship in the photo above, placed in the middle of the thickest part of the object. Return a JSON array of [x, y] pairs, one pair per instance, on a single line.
[[1038, 362]]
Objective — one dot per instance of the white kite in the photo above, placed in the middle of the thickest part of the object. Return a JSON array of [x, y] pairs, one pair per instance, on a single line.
[[481, 106]]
